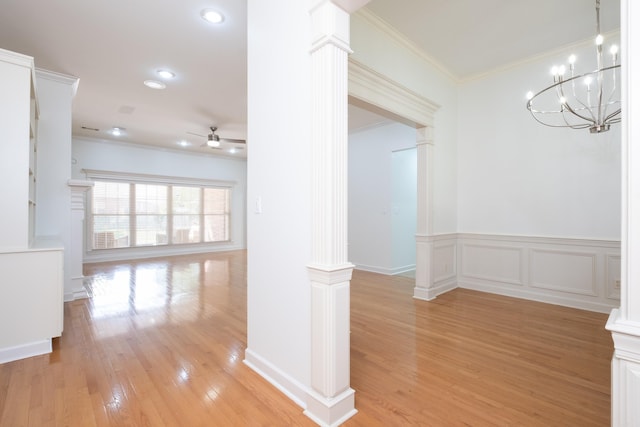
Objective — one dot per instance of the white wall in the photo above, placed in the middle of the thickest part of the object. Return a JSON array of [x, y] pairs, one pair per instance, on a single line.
[[538, 208], [279, 237], [404, 207], [518, 177], [115, 157], [382, 193], [385, 54]]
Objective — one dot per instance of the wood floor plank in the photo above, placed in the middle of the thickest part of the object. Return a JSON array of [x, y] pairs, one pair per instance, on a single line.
[[161, 344]]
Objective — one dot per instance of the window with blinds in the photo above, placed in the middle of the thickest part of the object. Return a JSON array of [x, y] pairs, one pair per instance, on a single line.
[[132, 214]]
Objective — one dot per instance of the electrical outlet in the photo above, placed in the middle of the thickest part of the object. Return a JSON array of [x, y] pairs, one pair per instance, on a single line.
[[616, 284]]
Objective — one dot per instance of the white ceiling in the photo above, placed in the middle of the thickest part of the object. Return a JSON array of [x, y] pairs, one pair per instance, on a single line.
[[114, 46], [473, 37]]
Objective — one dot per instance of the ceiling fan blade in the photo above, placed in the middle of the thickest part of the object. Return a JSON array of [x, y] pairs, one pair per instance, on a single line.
[[233, 141], [196, 134]]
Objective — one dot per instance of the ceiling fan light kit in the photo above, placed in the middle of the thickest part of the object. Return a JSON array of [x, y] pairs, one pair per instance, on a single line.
[[214, 141]]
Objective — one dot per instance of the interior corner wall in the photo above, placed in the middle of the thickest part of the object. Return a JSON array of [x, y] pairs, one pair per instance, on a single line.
[[279, 187], [375, 209], [375, 48], [518, 177], [53, 166], [54, 159], [138, 159]]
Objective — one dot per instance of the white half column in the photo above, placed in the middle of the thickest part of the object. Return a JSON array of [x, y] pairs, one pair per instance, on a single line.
[[331, 399], [624, 323], [424, 226], [76, 249]]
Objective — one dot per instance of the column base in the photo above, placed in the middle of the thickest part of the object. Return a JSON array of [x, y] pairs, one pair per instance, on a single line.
[[78, 291], [331, 412], [625, 371]]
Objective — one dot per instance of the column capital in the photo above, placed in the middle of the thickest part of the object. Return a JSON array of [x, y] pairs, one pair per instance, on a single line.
[[329, 26], [332, 275], [348, 6], [424, 135]]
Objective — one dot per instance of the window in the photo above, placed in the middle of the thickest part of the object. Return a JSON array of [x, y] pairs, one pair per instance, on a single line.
[[111, 219], [151, 214], [134, 214]]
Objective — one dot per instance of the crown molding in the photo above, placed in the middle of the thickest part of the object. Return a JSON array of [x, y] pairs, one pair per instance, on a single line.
[[403, 41], [536, 58], [59, 78]]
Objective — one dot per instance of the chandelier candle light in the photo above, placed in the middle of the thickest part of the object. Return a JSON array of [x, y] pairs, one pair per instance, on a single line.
[[580, 101]]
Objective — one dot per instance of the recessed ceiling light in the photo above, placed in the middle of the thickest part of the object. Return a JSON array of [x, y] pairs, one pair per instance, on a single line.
[[116, 131], [212, 16], [166, 74], [233, 150], [184, 143], [154, 84]]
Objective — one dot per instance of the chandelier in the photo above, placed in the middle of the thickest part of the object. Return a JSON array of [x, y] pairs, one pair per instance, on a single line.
[[580, 101]]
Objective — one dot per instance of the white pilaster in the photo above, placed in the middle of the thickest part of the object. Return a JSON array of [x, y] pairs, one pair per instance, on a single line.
[[75, 252], [624, 323], [331, 400], [424, 225]]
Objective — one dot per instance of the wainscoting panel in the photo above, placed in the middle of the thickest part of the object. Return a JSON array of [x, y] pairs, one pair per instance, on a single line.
[[564, 271], [578, 273], [444, 260], [612, 274], [494, 262]]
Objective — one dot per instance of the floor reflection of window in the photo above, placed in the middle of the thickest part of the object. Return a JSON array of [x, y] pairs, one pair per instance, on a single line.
[[150, 293], [150, 287], [110, 293]]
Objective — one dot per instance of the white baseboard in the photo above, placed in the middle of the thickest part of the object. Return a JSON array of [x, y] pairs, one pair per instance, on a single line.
[[428, 294], [31, 349], [76, 294], [126, 254], [384, 270], [565, 301], [293, 389], [331, 412]]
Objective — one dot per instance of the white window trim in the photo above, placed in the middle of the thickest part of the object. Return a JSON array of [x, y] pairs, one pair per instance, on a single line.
[[93, 174], [137, 178]]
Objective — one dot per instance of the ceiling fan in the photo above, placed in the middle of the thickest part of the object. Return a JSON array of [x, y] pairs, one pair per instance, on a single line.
[[214, 140]]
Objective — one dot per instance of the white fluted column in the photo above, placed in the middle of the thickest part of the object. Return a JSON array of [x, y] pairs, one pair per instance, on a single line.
[[424, 225], [624, 323], [75, 252], [331, 399]]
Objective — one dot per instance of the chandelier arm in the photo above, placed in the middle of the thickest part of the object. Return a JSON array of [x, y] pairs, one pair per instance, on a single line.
[[566, 106], [612, 116], [609, 101], [579, 101], [575, 95], [572, 111], [583, 126]]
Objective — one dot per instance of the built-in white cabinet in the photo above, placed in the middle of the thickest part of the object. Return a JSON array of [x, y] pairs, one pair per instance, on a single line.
[[31, 270]]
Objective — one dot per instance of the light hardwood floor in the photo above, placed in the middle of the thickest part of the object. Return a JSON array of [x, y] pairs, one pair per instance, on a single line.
[[161, 343]]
